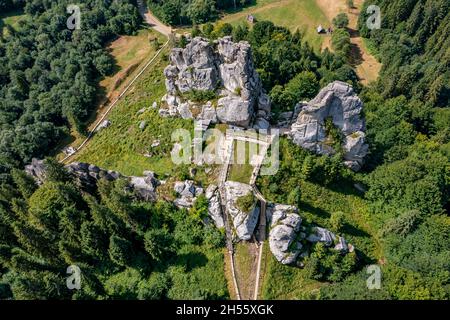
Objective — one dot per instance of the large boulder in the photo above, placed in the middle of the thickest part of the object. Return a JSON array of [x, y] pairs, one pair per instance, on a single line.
[[187, 193], [284, 237], [337, 102], [244, 223], [215, 206], [224, 67]]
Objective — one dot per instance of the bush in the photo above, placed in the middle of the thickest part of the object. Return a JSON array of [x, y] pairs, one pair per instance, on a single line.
[[341, 20], [201, 96], [246, 203]]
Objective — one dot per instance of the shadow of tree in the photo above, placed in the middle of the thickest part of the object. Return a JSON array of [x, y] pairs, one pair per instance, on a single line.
[[354, 231], [314, 210], [192, 260]]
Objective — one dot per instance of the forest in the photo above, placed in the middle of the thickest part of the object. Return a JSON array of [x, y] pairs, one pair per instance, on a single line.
[[187, 12], [125, 248], [130, 249], [49, 74]]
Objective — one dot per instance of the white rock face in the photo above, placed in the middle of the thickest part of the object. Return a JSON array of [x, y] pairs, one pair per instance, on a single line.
[[206, 66], [284, 240], [87, 176], [187, 193], [322, 235], [214, 206], [244, 223], [339, 102]]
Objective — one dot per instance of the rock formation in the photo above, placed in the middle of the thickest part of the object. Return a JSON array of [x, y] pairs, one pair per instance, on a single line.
[[339, 102], [214, 206], [244, 223], [223, 67], [187, 193], [284, 240], [87, 175], [287, 234]]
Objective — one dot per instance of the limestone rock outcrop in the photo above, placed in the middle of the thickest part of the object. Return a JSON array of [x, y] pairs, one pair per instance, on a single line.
[[287, 235], [87, 176], [339, 102], [187, 193], [214, 206], [223, 67], [284, 240], [244, 223]]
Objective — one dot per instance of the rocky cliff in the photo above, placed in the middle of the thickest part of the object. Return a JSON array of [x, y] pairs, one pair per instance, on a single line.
[[337, 102], [287, 234], [224, 68], [87, 175], [244, 223]]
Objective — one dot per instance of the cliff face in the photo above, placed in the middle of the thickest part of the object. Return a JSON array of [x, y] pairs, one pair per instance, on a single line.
[[225, 68], [337, 102], [87, 176]]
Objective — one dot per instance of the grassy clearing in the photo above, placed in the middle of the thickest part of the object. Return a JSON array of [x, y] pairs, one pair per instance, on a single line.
[[246, 262], [128, 149], [241, 170], [123, 145], [130, 54], [304, 15], [282, 282], [12, 19]]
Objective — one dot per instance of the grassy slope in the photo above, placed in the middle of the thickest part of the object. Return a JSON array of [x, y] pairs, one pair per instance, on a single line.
[[318, 202], [11, 18], [304, 15], [130, 54]]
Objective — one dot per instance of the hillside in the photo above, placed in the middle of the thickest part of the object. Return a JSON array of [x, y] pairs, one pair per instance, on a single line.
[[350, 174]]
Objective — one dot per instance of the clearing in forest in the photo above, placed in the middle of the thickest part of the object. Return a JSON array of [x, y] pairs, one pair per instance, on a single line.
[[304, 15], [367, 66]]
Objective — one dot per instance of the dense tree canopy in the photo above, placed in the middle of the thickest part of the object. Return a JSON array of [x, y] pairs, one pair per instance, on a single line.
[[113, 238], [181, 12], [48, 73]]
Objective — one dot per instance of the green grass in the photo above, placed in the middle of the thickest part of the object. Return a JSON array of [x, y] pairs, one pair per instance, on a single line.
[[282, 282], [11, 18], [241, 170], [203, 272], [304, 15], [123, 145], [245, 271]]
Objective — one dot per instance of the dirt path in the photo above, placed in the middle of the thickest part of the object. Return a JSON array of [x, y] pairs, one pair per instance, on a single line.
[[367, 67], [152, 20], [252, 10]]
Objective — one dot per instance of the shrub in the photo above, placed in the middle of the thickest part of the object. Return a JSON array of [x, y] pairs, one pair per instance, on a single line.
[[246, 203]]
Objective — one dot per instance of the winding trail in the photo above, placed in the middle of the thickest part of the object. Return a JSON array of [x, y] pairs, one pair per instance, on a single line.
[[366, 65]]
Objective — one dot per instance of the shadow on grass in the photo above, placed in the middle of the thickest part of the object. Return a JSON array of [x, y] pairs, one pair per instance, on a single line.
[[240, 9], [354, 231], [192, 260], [304, 206]]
